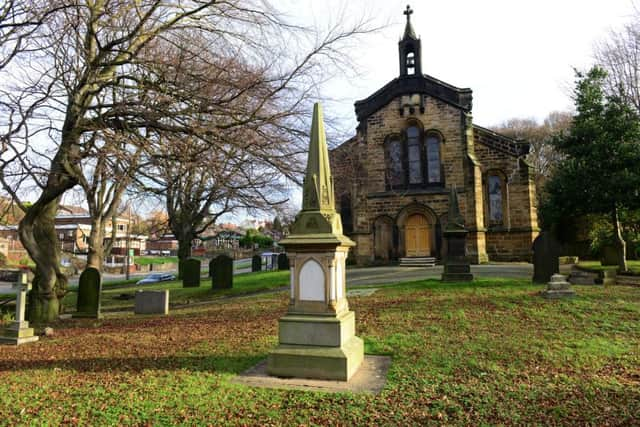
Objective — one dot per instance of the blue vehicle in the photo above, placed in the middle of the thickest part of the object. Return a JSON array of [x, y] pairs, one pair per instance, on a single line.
[[155, 278]]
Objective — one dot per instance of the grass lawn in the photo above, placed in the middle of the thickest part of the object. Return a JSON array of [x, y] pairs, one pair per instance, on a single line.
[[146, 260], [242, 284], [491, 352], [633, 265]]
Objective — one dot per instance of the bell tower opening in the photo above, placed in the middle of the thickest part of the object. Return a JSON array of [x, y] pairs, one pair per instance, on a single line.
[[409, 49]]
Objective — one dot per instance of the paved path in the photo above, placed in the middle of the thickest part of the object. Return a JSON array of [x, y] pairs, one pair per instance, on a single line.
[[380, 275]]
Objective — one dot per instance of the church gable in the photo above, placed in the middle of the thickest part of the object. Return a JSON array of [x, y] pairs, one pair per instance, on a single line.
[[499, 142]]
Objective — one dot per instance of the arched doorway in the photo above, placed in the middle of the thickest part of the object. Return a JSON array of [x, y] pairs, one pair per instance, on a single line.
[[417, 236]]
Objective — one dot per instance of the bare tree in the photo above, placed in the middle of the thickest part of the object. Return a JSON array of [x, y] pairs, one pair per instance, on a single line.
[[619, 55], [98, 66], [543, 156], [107, 175]]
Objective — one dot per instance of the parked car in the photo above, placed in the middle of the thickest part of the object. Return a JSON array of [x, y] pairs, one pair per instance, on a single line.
[[155, 278]]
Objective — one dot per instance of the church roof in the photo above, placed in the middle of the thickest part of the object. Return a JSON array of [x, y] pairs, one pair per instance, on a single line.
[[406, 85], [500, 142]]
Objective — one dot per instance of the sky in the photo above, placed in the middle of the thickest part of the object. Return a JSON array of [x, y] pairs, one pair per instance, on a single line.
[[517, 56]]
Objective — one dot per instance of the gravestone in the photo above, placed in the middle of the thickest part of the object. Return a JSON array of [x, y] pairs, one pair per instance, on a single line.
[[609, 255], [283, 262], [18, 332], [191, 273], [256, 263], [546, 251], [89, 294], [212, 264], [152, 302], [222, 273], [558, 288], [456, 265]]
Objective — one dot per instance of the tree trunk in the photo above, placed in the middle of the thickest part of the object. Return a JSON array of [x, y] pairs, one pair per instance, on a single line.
[[38, 236], [184, 249], [620, 244], [95, 255]]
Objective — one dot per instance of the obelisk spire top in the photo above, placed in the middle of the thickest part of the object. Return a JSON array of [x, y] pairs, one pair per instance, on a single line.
[[318, 183]]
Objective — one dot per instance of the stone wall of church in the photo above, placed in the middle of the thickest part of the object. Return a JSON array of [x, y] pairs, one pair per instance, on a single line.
[[512, 239], [358, 168]]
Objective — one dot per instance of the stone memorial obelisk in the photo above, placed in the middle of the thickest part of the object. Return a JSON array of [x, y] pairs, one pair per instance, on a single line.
[[456, 263], [317, 335]]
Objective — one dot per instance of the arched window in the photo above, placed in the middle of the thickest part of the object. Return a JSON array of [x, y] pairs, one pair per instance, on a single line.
[[495, 190], [394, 165], [414, 155], [411, 63], [434, 174]]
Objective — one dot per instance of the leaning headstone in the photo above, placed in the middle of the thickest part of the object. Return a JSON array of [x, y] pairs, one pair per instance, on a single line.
[[546, 251], [256, 263], [89, 292], [222, 273], [456, 265], [18, 332], [558, 288], [152, 302], [191, 273], [283, 262]]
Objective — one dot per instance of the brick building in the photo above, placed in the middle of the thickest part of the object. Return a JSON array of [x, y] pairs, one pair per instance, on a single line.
[[415, 140]]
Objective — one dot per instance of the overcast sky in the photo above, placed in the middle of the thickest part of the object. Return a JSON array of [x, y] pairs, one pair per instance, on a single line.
[[516, 56]]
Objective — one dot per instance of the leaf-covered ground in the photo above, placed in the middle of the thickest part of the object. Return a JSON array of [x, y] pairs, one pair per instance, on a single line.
[[488, 353]]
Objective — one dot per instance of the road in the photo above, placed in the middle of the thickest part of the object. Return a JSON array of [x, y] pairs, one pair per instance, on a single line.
[[387, 274]]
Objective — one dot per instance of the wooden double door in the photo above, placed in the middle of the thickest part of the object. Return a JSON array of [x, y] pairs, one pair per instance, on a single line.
[[418, 233]]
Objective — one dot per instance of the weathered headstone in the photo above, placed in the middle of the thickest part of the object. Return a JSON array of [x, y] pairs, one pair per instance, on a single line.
[[191, 273], [222, 273], [558, 288], [283, 262], [212, 264], [89, 294], [152, 302], [546, 251], [19, 331], [609, 255], [256, 263], [456, 265]]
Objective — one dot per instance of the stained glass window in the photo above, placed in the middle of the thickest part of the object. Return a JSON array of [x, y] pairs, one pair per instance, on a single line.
[[395, 171], [413, 155], [433, 159], [495, 198]]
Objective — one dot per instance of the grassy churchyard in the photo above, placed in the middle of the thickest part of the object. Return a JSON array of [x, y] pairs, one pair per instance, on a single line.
[[486, 352]]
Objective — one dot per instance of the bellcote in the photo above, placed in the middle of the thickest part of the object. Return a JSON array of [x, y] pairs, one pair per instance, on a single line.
[[409, 49]]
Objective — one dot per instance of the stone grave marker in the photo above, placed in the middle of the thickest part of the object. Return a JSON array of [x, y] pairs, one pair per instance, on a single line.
[[222, 273], [152, 302], [546, 251], [609, 255], [18, 332], [316, 337], [283, 261], [256, 263], [558, 288], [89, 294], [191, 273], [456, 265], [212, 264]]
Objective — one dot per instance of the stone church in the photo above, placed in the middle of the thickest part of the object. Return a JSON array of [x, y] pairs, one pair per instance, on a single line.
[[415, 141]]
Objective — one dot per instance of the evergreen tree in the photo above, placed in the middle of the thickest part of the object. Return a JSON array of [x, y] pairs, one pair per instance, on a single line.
[[600, 172]]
